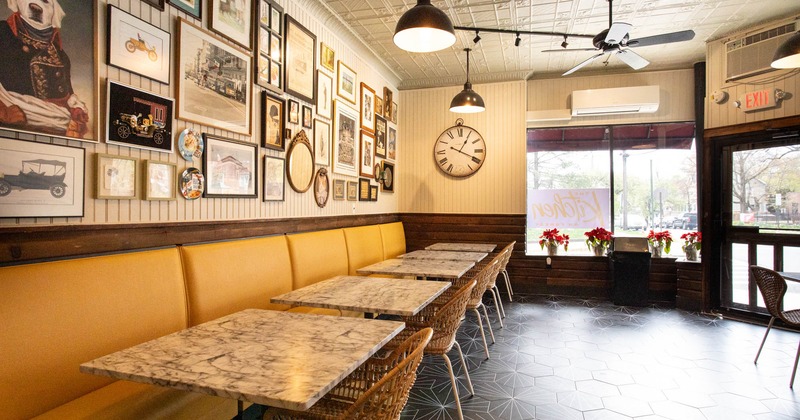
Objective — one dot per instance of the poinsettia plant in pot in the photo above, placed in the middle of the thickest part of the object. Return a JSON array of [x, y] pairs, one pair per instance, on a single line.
[[658, 241], [691, 244], [552, 238], [598, 240]]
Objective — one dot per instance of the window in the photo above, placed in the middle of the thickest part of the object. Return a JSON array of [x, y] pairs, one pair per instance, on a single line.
[[646, 173]]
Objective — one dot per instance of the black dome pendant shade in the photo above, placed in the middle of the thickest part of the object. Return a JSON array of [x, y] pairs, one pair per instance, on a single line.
[[424, 28], [467, 101], [787, 56]]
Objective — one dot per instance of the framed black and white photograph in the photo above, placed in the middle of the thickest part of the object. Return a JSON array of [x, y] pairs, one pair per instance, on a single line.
[[367, 108], [117, 177], [274, 178], [366, 161], [193, 8], [232, 19], [160, 180], [294, 112], [213, 81], [230, 167], [322, 142], [272, 123], [300, 52], [391, 144], [308, 118], [139, 119], [50, 86], [158, 4], [339, 189], [137, 46], [380, 136], [41, 179], [345, 140], [268, 47], [346, 86], [387, 103], [324, 95]]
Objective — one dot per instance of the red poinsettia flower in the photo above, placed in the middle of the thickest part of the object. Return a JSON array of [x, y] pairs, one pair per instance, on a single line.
[[598, 237], [553, 237], [692, 239], [662, 238]]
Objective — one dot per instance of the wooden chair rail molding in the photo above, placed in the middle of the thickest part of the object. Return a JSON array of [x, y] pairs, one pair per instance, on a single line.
[[35, 243]]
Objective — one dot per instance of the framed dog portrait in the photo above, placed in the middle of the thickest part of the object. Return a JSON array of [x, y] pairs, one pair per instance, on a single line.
[[139, 119], [272, 123], [137, 46], [60, 99], [230, 167], [232, 19], [300, 51], [193, 8], [345, 140], [215, 92], [41, 179]]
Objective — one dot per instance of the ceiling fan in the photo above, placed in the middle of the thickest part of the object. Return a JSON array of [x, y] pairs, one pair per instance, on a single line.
[[616, 40]]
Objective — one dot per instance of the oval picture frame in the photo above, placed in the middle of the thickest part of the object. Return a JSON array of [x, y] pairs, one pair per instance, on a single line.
[[300, 163], [321, 187]]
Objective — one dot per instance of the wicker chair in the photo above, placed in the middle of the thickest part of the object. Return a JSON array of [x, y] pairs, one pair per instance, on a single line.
[[773, 287], [491, 287], [506, 252], [377, 390], [444, 316]]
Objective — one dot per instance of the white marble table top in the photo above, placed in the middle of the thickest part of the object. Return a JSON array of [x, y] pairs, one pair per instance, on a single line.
[[459, 246], [275, 358], [790, 276], [444, 269], [367, 294], [427, 254]]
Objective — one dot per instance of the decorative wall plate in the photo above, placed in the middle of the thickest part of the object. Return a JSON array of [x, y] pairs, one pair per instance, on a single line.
[[191, 183], [190, 144]]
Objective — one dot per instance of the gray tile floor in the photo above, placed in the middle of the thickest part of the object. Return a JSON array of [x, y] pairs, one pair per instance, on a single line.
[[564, 358]]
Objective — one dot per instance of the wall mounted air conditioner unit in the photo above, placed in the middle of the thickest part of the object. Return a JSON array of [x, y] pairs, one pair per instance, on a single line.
[[624, 100], [752, 54]]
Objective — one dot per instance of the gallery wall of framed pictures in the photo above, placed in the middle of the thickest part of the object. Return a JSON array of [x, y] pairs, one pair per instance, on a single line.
[[172, 85]]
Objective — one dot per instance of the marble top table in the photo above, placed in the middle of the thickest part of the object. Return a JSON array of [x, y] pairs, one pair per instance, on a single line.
[[274, 358], [367, 294], [459, 246], [443, 269], [426, 254], [790, 276]]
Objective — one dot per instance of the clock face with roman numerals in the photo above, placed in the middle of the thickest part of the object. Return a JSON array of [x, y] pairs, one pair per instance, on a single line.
[[459, 151]]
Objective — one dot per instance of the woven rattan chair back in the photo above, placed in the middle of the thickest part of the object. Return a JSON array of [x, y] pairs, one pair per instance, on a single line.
[[772, 287]]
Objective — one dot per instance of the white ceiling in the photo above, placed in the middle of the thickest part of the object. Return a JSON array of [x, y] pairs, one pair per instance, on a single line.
[[495, 58]]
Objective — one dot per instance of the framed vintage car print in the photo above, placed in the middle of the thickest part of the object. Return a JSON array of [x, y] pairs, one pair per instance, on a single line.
[[137, 46], [230, 167], [300, 53], [139, 119], [41, 179], [225, 90]]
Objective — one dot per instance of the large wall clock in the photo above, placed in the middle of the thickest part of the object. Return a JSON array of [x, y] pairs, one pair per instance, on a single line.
[[460, 150]]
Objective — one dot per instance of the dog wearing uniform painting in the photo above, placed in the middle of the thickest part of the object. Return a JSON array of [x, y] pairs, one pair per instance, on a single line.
[[35, 73]]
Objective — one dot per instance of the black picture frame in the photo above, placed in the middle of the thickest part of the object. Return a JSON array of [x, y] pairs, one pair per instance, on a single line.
[[195, 11], [158, 4], [137, 46], [225, 164], [373, 193], [299, 57], [268, 45], [363, 189], [272, 123], [137, 118], [308, 117], [293, 112]]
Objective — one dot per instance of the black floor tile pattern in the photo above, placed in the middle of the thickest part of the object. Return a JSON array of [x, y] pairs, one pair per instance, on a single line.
[[564, 358]]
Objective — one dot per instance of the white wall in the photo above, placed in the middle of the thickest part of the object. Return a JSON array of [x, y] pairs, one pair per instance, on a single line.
[[311, 15]]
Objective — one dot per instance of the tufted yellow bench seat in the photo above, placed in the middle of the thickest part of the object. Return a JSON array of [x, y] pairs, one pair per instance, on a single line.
[[394, 239], [57, 315], [364, 247]]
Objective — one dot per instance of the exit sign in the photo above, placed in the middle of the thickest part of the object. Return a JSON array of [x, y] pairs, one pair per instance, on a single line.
[[757, 100]]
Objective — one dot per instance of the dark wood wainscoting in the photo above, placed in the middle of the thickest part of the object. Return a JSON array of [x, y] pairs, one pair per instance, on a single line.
[[583, 276], [37, 243]]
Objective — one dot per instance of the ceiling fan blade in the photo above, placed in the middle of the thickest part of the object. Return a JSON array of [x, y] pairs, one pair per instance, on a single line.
[[570, 49], [617, 31], [632, 59], [679, 36], [583, 63]]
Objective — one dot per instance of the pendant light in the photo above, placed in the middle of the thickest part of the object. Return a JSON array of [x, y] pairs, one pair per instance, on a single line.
[[467, 101], [424, 28], [787, 56]]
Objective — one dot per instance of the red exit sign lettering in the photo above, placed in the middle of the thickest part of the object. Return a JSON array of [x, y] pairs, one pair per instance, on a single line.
[[760, 99]]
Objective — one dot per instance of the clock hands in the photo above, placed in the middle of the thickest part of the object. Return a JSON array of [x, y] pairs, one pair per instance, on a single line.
[[473, 158]]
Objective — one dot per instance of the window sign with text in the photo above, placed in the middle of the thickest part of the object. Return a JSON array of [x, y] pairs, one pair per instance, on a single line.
[[568, 208]]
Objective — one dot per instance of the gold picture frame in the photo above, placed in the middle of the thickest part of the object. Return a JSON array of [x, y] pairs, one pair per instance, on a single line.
[[160, 180], [117, 177]]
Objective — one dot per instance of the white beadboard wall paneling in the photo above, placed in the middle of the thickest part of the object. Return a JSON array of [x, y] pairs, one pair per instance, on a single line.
[[676, 96], [498, 187], [312, 14], [726, 114]]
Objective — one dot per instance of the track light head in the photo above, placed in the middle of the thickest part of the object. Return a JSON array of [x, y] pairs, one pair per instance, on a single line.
[[477, 37], [517, 41], [565, 44]]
